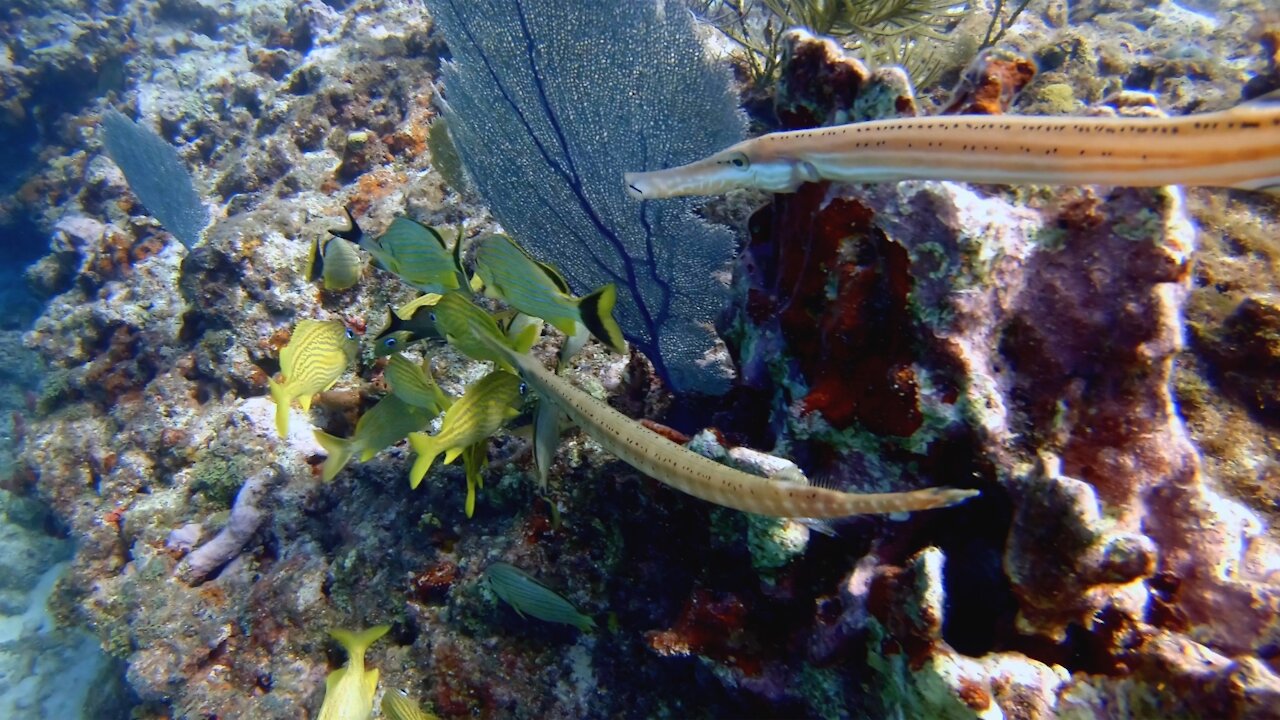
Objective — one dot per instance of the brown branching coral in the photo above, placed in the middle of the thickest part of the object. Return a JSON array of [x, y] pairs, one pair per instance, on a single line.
[[909, 33]]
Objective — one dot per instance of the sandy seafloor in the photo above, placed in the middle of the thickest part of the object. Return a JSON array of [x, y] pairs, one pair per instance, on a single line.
[[134, 405]]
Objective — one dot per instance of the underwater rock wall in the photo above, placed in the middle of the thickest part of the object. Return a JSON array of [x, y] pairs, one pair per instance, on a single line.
[[1036, 335]]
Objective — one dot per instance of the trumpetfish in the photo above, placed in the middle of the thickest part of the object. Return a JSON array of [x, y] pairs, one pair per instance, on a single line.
[[1236, 148], [679, 467]]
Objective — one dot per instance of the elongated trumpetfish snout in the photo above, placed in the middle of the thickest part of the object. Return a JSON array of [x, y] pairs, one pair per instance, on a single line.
[[683, 181], [641, 185], [726, 170], [1238, 148]]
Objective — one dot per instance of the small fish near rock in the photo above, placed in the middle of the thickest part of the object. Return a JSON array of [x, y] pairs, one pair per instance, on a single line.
[[317, 354], [527, 596]]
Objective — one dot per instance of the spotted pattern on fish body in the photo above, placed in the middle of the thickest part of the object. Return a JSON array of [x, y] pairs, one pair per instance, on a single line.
[[537, 289], [414, 384], [1238, 148], [486, 405], [689, 472], [527, 596], [318, 352]]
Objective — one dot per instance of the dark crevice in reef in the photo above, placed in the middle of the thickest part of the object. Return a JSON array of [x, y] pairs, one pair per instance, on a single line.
[[980, 606], [21, 243]]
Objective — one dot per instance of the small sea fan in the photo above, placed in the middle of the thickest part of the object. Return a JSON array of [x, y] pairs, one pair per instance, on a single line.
[[156, 175]]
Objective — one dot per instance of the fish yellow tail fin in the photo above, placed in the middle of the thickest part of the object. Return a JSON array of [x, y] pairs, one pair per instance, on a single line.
[[355, 643], [340, 451], [474, 458], [281, 398], [596, 310], [425, 446]]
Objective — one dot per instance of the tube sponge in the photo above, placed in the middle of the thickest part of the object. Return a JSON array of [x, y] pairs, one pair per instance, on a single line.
[[247, 515]]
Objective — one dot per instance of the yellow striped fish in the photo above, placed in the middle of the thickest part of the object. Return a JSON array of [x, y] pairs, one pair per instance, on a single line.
[[479, 413], [414, 385], [317, 354], [397, 705], [349, 690], [535, 288], [383, 425], [456, 317], [527, 596], [1238, 148], [336, 262], [689, 472], [407, 324], [418, 254]]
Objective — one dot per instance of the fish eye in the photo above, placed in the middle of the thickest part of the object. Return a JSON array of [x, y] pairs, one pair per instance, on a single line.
[[739, 160], [431, 316], [350, 335], [524, 388], [389, 342]]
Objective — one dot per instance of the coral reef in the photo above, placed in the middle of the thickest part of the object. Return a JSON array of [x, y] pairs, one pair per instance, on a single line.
[[1026, 342], [1037, 336], [247, 515]]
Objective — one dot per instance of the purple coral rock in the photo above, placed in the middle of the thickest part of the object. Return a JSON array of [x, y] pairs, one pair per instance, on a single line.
[[247, 514]]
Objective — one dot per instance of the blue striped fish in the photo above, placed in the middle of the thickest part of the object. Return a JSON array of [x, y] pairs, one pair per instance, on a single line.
[[317, 354], [418, 254], [462, 322], [535, 288], [527, 596]]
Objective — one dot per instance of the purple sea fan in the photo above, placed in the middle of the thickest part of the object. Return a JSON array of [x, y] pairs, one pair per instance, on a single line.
[[549, 103]]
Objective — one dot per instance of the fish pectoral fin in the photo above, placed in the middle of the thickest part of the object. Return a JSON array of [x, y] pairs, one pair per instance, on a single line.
[[332, 679], [524, 340]]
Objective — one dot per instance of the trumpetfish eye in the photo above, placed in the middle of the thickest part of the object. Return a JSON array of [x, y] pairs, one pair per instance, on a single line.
[[739, 160]]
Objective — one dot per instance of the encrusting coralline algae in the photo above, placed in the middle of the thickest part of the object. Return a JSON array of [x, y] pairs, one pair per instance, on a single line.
[[1028, 342]]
